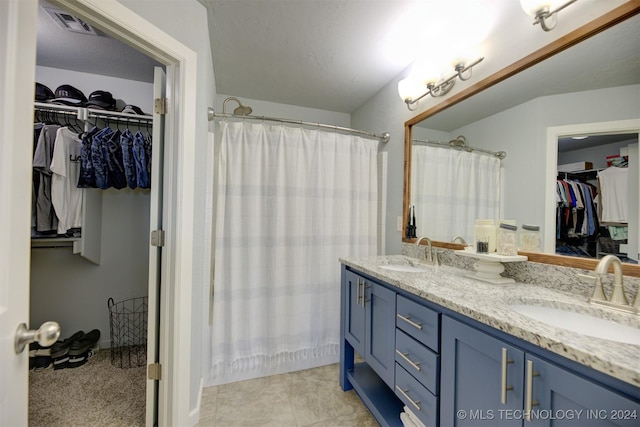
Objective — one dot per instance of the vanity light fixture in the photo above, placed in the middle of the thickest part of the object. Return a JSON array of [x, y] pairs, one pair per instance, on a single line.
[[411, 91], [542, 10]]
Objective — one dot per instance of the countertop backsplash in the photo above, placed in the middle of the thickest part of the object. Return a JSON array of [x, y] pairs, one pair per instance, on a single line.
[[564, 279]]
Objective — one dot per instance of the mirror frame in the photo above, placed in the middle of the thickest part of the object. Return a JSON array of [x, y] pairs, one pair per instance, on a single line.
[[609, 19]]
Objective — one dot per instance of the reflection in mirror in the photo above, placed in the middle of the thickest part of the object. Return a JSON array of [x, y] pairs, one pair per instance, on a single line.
[[594, 80], [461, 180], [594, 190]]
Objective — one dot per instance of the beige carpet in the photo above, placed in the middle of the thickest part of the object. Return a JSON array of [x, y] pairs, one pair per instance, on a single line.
[[94, 394]]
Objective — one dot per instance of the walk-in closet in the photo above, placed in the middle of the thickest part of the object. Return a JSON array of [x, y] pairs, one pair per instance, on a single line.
[[594, 214], [90, 269]]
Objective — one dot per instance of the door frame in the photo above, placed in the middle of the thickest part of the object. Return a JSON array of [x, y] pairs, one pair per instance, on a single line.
[[116, 19]]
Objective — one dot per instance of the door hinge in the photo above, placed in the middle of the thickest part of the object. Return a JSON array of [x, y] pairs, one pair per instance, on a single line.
[[154, 371], [157, 238], [160, 105]]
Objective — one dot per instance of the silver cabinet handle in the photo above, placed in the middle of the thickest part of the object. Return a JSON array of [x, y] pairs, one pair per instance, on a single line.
[[409, 361], [404, 393], [529, 402], [358, 296], [503, 379], [409, 321]]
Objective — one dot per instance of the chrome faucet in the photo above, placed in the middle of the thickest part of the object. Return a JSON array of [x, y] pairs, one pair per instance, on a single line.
[[618, 299], [428, 251], [459, 239]]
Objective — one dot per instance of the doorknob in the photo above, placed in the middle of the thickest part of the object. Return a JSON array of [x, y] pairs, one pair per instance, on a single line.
[[46, 335]]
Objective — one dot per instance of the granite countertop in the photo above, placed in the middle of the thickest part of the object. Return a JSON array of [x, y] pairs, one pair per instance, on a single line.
[[489, 304]]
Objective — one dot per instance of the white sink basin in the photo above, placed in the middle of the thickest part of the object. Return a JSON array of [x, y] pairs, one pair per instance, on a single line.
[[581, 323], [404, 267]]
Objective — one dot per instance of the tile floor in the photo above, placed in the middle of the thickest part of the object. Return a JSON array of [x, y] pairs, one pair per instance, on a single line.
[[312, 397]]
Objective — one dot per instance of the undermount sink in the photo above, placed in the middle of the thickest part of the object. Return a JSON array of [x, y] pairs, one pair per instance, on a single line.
[[404, 267], [581, 323]]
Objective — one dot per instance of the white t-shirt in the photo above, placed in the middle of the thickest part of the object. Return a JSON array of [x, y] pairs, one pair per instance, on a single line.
[[66, 197], [614, 185]]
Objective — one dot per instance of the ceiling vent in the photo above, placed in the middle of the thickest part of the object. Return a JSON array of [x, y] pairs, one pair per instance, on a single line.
[[70, 22]]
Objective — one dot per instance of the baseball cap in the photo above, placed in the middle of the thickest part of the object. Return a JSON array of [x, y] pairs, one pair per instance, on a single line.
[[43, 93], [132, 109], [101, 99], [68, 95]]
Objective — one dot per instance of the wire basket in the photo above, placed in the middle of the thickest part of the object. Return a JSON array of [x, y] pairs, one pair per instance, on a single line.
[[128, 327]]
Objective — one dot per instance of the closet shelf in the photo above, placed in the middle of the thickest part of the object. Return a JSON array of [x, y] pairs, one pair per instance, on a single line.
[[83, 113], [56, 242]]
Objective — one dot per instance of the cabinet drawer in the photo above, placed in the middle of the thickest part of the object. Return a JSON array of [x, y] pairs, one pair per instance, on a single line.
[[420, 322], [418, 360], [416, 397]]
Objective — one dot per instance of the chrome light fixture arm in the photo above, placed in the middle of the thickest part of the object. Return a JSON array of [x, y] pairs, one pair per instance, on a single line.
[[445, 86], [542, 15]]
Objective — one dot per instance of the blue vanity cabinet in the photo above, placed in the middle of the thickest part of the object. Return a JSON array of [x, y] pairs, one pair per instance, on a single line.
[[561, 398], [485, 382], [369, 323], [475, 369], [354, 320], [368, 327]]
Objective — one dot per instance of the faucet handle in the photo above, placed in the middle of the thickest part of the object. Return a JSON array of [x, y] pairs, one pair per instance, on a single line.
[[598, 292]]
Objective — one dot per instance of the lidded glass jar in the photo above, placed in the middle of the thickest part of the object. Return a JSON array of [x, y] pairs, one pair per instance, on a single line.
[[530, 240], [484, 230], [507, 239]]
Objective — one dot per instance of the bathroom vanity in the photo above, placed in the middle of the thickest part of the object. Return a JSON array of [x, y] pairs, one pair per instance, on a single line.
[[454, 351]]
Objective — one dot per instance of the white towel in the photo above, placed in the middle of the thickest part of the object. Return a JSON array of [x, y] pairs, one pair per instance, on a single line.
[[414, 418], [406, 420]]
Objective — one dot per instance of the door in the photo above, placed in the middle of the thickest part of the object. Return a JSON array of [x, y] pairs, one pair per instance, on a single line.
[[17, 44], [481, 379], [155, 247], [380, 327], [560, 398], [354, 316]]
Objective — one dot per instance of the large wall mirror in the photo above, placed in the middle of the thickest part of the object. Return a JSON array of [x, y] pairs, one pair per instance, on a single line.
[[586, 83]]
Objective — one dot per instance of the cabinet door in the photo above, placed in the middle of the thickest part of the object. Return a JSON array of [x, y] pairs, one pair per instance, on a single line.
[[380, 304], [354, 295], [562, 398], [481, 380]]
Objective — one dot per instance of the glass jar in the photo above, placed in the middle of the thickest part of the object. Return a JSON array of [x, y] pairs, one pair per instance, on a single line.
[[530, 240], [507, 239], [484, 231]]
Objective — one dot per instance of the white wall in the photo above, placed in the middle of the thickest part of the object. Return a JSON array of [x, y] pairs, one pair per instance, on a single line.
[[72, 291], [124, 91]]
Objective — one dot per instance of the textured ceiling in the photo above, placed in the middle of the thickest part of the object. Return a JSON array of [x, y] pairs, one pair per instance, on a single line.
[[59, 48], [323, 54]]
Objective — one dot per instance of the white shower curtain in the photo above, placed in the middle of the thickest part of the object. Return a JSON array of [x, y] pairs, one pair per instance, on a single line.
[[450, 189], [290, 202]]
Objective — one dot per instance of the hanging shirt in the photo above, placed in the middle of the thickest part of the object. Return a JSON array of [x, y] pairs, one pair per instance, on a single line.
[[65, 167], [46, 220], [614, 183]]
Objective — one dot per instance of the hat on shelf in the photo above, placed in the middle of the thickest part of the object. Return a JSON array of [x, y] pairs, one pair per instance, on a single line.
[[101, 99], [132, 109], [43, 93], [68, 95]]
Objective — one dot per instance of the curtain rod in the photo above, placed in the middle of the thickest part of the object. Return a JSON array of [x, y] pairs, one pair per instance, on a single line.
[[460, 143], [383, 138]]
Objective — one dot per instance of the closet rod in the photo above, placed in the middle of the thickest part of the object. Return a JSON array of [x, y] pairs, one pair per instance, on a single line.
[[460, 143], [83, 113], [383, 138]]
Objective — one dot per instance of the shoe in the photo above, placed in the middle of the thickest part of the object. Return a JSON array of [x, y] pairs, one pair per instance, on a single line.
[[36, 349], [42, 362], [81, 359], [60, 350], [84, 343]]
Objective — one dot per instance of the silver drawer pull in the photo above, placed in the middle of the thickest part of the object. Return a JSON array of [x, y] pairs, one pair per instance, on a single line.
[[411, 322], [529, 401], [503, 378], [404, 393], [409, 361]]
